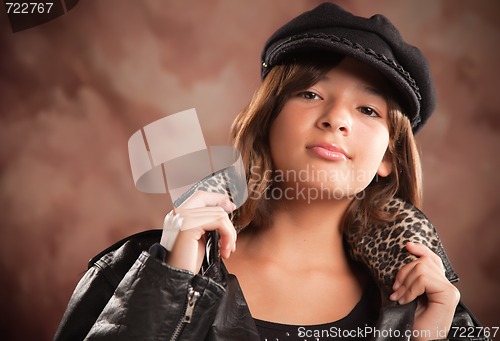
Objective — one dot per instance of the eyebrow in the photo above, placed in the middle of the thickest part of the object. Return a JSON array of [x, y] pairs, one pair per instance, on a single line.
[[369, 89], [373, 91]]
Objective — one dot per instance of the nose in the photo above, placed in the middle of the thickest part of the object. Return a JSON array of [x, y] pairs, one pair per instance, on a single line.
[[336, 118]]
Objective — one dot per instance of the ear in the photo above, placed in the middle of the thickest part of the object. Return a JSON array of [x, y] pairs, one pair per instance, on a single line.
[[385, 167]]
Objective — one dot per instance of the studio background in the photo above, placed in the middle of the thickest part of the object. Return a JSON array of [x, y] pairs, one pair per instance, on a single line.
[[73, 90]]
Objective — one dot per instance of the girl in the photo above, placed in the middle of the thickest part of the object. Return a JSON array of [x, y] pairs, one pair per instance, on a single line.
[[327, 142]]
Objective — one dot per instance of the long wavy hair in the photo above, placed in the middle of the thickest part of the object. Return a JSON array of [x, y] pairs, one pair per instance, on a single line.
[[250, 135]]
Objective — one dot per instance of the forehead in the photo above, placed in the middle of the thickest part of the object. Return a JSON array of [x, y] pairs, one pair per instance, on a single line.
[[368, 79]]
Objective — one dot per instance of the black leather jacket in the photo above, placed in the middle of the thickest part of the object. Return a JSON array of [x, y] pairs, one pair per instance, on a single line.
[[128, 293]]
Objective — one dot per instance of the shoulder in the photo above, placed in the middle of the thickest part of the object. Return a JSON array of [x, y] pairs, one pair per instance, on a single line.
[[128, 247]]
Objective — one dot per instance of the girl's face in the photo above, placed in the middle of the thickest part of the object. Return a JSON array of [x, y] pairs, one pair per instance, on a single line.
[[332, 137]]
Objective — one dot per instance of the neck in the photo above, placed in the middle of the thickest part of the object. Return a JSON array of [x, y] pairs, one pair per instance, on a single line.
[[302, 233]]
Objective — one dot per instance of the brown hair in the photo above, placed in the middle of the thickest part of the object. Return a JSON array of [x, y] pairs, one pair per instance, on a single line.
[[250, 135], [404, 182]]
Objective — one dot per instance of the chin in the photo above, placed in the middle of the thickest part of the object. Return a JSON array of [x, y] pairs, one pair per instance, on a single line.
[[325, 191]]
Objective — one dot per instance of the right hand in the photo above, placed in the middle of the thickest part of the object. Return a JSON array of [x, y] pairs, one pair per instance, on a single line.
[[200, 213]]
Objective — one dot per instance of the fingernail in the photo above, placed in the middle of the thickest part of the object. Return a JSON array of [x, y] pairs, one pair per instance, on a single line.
[[394, 296]]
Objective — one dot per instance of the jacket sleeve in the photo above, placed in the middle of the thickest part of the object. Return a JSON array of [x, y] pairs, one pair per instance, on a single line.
[[147, 303], [465, 326]]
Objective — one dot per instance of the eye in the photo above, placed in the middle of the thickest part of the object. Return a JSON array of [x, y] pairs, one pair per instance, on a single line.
[[309, 95], [369, 112]]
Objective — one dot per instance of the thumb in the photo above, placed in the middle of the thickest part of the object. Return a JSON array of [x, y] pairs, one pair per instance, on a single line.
[[418, 249]]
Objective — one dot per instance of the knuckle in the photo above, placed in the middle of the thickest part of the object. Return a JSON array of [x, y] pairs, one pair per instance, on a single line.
[[179, 211], [220, 220], [419, 281], [454, 293], [417, 266], [436, 258], [400, 275], [414, 290], [441, 264], [202, 195], [196, 195], [420, 267]]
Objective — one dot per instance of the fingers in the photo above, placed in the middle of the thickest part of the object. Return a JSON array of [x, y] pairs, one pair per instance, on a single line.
[[192, 224], [424, 254], [421, 250], [184, 229], [410, 285], [197, 221], [425, 275], [204, 199], [223, 225], [208, 211], [186, 219], [197, 217]]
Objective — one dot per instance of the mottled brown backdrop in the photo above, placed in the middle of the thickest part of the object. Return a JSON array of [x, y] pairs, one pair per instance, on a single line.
[[72, 91]]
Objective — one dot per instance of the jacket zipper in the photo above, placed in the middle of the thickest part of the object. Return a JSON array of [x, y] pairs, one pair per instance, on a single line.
[[192, 298]]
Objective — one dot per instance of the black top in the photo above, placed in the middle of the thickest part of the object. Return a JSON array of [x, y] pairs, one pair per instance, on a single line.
[[351, 327]]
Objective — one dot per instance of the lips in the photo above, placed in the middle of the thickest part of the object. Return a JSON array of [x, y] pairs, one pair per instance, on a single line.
[[329, 151]]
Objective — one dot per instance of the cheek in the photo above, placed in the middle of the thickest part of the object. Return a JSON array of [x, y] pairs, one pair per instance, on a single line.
[[372, 158], [275, 136], [284, 135]]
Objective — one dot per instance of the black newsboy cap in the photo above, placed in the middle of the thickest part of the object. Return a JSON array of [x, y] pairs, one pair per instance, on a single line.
[[374, 41]]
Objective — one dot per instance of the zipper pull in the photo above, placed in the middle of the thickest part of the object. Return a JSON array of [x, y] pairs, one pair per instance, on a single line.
[[192, 297]]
